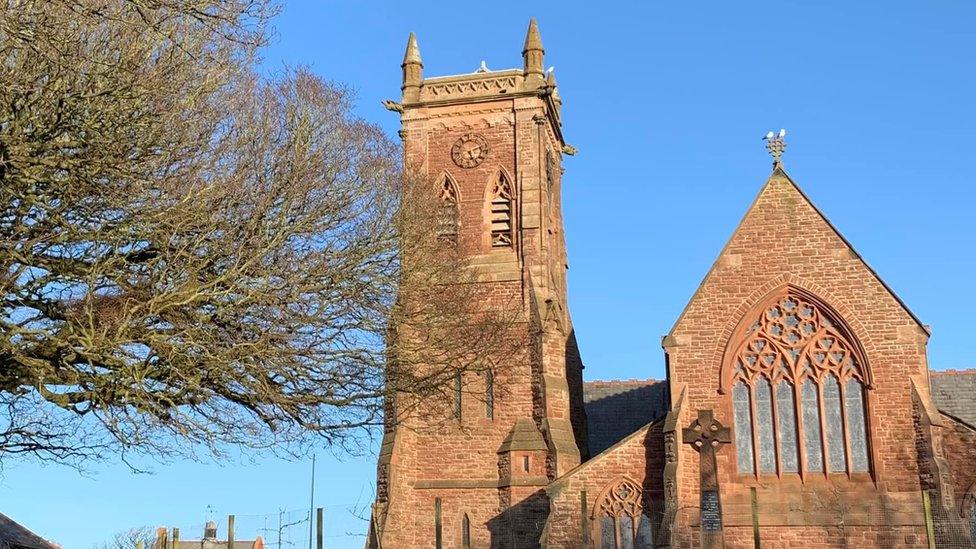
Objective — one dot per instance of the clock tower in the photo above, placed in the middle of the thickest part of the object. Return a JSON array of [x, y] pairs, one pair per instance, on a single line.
[[492, 139]]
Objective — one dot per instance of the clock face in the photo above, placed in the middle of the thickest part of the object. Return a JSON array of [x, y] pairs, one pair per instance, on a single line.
[[470, 150]]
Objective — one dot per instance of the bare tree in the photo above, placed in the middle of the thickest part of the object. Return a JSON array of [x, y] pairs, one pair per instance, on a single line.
[[129, 539], [194, 256]]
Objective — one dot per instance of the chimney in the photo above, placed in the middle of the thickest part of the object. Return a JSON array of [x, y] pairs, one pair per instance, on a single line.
[[210, 531]]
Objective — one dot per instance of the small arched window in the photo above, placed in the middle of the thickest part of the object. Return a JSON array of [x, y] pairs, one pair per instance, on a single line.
[[465, 532], [798, 392], [489, 394], [620, 519], [448, 218], [502, 212], [457, 396]]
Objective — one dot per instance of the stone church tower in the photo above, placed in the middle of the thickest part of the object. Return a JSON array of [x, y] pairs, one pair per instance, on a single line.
[[491, 143]]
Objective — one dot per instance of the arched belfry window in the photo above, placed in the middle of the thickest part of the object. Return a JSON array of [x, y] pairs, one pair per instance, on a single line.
[[620, 520], [798, 379], [502, 212], [448, 218]]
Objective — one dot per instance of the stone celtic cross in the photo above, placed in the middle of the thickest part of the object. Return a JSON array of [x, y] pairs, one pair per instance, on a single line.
[[706, 436]]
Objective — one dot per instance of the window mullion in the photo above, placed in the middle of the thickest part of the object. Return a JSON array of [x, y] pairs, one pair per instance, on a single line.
[[847, 438], [774, 409], [825, 450]]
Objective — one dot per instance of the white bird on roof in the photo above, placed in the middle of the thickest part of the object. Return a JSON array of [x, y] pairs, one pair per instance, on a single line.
[[782, 133], [769, 135]]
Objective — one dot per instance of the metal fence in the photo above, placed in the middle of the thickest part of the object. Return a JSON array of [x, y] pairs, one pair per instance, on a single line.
[[918, 523]]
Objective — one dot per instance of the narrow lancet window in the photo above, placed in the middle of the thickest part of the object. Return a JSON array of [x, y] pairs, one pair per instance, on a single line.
[[836, 455], [457, 396], [764, 410], [466, 532], [855, 421], [502, 213], [811, 426], [743, 427], [489, 394], [786, 432], [448, 219]]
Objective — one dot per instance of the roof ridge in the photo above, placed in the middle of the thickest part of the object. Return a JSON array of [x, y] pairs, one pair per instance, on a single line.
[[953, 371], [622, 382]]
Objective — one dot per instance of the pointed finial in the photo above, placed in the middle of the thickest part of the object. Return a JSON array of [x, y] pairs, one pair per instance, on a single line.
[[412, 55], [532, 39], [776, 145], [483, 67], [532, 56], [413, 71]]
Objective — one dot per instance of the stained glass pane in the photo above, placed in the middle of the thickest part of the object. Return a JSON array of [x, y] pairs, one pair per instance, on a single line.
[[743, 427], [786, 433], [855, 421], [836, 455], [811, 426], [608, 538], [764, 408], [645, 536], [626, 532], [972, 524]]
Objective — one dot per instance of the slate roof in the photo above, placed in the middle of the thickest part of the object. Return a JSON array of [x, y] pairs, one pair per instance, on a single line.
[[615, 409], [954, 392], [16, 536]]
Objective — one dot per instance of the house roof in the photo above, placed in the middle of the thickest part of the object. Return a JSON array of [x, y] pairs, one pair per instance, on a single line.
[[15, 536], [954, 392], [615, 409]]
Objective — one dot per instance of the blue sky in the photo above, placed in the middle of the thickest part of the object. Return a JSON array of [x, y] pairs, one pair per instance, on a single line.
[[667, 102]]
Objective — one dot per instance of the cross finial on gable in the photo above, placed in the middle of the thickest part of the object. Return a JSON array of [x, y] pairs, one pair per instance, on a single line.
[[776, 145]]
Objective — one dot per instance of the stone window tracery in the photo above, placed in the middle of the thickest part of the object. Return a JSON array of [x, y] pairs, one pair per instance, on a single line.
[[621, 522], [448, 218], [798, 388], [502, 213]]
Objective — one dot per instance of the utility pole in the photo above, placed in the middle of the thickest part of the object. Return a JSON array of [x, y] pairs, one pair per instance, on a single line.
[[311, 503]]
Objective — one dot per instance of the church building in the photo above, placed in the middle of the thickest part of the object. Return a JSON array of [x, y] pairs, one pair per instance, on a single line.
[[798, 407]]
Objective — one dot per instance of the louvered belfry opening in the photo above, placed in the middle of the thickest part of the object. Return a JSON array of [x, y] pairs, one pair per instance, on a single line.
[[448, 220], [502, 214]]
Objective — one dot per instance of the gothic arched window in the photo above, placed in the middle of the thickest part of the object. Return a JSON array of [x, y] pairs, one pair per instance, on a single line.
[[465, 532], [620, 520], [502, 213], [798, 389], [448, 219]]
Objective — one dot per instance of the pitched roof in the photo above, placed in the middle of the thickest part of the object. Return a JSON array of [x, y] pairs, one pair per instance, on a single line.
[[615, 409], [954, 392], [779, 174], [15, 536]]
